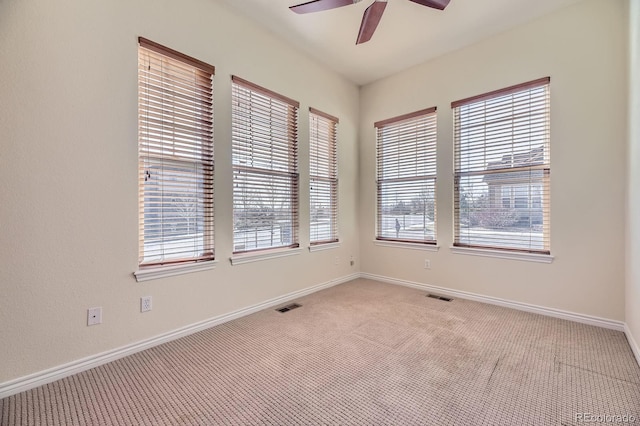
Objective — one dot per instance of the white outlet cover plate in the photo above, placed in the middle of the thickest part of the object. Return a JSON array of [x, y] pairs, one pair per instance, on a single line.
[[94, 316], [145, 304]]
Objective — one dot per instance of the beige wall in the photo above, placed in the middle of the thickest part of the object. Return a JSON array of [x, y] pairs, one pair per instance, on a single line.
[[583, 49], [632, 295], [68, 159]]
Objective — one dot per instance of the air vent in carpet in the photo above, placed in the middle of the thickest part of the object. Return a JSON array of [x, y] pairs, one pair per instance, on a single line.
[[435, 296], [288, 307]]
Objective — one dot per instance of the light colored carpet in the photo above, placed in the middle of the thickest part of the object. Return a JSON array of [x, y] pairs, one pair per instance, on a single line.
[[361, 353]]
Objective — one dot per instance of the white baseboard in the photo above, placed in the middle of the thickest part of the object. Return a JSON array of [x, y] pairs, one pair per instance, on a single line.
[[50, 375], [557, 313], [632, 342]]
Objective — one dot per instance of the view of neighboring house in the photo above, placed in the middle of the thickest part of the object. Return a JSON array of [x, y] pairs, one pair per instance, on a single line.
[[519, 190]]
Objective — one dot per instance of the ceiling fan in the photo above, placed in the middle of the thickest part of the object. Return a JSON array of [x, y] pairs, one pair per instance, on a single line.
[[372, 14]]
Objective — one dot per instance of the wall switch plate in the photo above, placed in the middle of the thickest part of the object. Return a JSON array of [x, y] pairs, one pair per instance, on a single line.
[[94, 316], [145, 304], [427, 264]]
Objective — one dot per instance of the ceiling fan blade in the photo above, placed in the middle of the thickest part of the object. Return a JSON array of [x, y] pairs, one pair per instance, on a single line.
[[436, 4], [319, 5], [370, 21]]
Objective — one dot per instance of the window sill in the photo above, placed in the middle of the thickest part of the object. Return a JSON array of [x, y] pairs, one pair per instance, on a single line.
[[147, 274], [325, 246], [403, 244], [528, 257], [239, 259]]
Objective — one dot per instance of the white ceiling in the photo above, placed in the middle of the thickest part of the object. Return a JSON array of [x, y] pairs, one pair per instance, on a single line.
[[407, 35]]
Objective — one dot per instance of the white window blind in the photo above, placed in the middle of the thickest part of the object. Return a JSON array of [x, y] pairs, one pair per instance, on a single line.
[[265, 168], [175, 151], [406, 177], [502, 169], [323, 170]]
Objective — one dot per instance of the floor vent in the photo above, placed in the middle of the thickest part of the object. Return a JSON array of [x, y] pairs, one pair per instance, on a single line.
[[435, 296], [288, 307]]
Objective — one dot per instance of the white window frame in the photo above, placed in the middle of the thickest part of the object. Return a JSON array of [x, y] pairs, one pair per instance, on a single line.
[[175, 160], [519, 132], [406, 151], [265, 172], [323, 174]]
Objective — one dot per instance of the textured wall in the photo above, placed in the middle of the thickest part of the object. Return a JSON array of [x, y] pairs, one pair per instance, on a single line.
[[583, 49], [68, 173]]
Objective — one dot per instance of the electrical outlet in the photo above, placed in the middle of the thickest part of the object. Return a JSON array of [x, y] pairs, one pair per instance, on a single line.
[[94, 316], [427, 264], [352, 262], [337, 260], [145, 304]]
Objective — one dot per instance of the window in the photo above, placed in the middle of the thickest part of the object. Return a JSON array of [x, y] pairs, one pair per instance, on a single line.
[[406, 177], [502, 169], [265, 168], [323, 172], [175, 155]]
